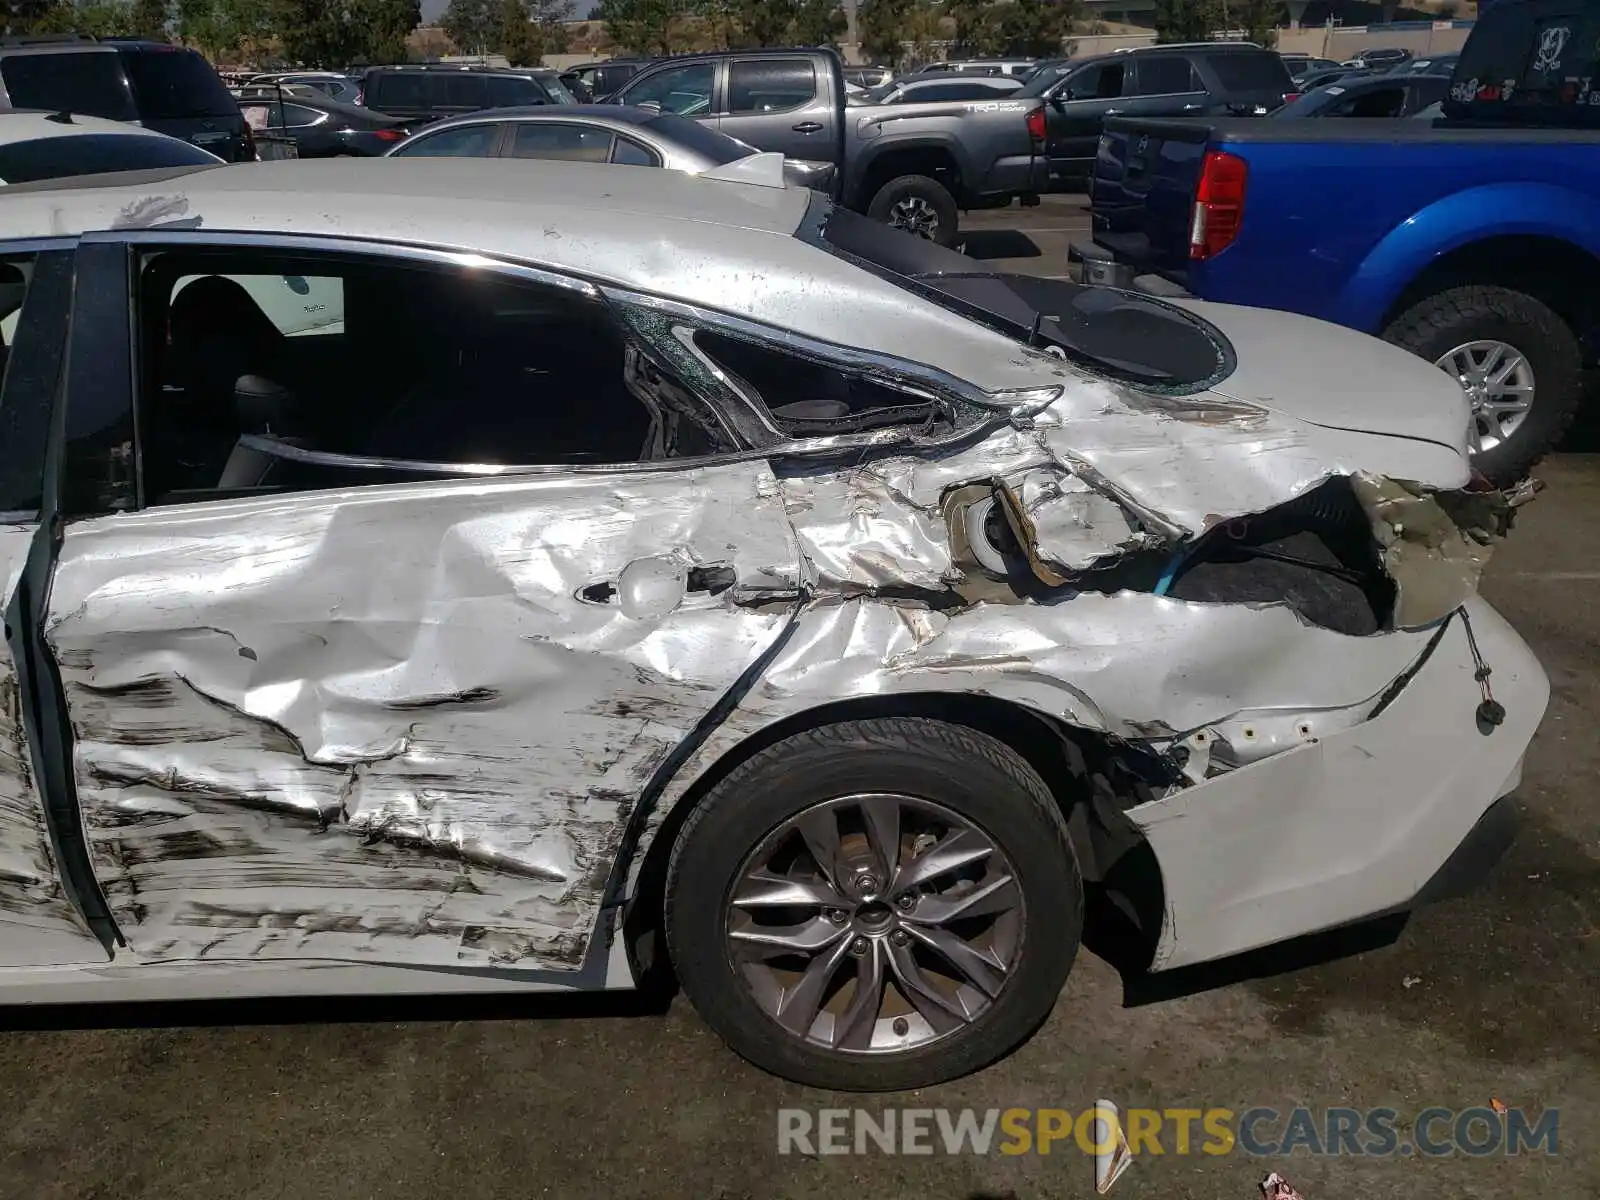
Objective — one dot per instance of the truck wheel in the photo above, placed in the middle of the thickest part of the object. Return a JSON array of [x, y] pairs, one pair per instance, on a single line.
[[1519, 363], [875, 905], [919, 205]]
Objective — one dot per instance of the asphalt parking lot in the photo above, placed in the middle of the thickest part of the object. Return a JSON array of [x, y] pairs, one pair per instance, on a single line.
[[1493, 996]]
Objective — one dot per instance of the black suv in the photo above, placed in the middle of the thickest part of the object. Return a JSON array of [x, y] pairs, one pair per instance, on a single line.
[[169, 89], [1206, 79], [426, 93]]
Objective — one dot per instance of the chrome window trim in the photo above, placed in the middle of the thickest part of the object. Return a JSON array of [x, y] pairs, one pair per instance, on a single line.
[[37, 245]]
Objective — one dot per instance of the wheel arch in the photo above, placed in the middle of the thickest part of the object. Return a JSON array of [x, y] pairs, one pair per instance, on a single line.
[[1073, 761], [1472, 221], [939, 157]]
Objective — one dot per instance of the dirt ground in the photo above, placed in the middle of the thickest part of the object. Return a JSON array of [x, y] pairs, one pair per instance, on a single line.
[[1494, 995]]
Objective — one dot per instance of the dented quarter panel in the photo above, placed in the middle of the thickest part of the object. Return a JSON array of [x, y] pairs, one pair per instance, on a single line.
[[39, 925], [378, 724], [1353, 823]]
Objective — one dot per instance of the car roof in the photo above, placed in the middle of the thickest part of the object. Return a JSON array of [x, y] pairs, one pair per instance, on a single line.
[[494, 205], [454, 69], [617, 114], [25, 125]]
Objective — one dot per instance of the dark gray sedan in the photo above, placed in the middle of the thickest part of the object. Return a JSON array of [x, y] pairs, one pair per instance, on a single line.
[[602, 133]]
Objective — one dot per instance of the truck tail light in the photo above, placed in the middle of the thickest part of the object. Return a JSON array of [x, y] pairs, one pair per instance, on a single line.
[[1218, 204], [1036, 124]]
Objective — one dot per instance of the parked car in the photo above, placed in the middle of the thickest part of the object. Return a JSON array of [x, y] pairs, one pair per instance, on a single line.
[[1381, 58], [1304, 64], [1435, 64], [36, 146], [1474, 245], [332, 84], [1313, 80], [949, 86], [599, 133], [1372, 96], [536, 630], [589, 82], [324, 128], [976, 66], [1219, 77], [867, 78], [914, 174], [169, 89], [425, 93]]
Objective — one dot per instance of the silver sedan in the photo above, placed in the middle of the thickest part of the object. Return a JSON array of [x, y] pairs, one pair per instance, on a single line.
[[603, 133]]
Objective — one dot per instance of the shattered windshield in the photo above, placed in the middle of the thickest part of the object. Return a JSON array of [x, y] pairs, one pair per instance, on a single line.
[[1115, 333]]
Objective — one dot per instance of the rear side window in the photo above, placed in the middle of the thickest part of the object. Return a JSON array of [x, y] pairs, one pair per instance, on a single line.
[[34, 295], [470, 141], [569, 143], [953, 91], [465, 91], [174, 84], [90, 83], [93, 153], [702, 139], [1530, 63], [509, 91], [1243, 72], [1164, 75], [771, 84], [402, 90]]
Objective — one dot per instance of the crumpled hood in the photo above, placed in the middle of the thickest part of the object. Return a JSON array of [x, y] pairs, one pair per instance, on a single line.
[[1335, 377]]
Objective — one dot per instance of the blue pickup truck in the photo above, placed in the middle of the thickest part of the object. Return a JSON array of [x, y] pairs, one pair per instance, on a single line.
[[1472, 240]]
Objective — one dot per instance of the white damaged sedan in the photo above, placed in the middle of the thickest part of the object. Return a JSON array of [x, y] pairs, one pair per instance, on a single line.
[[650, 574]]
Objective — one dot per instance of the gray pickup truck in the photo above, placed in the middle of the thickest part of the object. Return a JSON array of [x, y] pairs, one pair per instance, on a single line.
[[914, 166]]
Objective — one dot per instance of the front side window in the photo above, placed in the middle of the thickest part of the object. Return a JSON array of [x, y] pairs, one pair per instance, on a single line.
[[466, 141], [570, 143], [440, 365], [771, 85], [1374, 102], [684, 90]]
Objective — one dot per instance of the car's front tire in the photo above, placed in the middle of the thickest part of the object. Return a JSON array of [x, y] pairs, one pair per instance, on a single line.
[[875, 905]]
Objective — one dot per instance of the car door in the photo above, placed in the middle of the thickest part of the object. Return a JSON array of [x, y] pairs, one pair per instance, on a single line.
[[43, 921], [783, 105], [314, 130], [688, 89], [1164, 85], [1074, 116], [404, 722]]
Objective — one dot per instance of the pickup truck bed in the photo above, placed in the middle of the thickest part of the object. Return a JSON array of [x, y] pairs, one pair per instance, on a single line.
[[1422, 233]]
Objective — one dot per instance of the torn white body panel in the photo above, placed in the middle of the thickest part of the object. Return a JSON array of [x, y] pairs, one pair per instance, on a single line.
[[1352, 824], [39, 926], [404, 724]]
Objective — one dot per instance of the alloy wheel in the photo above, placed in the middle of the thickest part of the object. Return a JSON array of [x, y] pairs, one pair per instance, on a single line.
[[914, 215], [875, 923], [1499, 383]]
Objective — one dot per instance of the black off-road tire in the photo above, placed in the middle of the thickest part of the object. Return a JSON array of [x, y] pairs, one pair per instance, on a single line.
[[1435, 326], [924, 188], [967, 771]]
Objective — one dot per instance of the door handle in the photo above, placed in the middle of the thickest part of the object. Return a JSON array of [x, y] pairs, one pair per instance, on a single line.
[[807, 127], [648, 588], [1111, 112], [1193, 107]]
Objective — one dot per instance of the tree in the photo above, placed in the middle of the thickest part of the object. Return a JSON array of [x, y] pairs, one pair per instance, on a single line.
[[551, 16], [473, 25], [342, 33], [225, 29], [883, 28], [151, 18], [1260, 20], [1188, 20], [520, 40], [643, 26], [1035, 28], [975, 28], [816, 23]]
